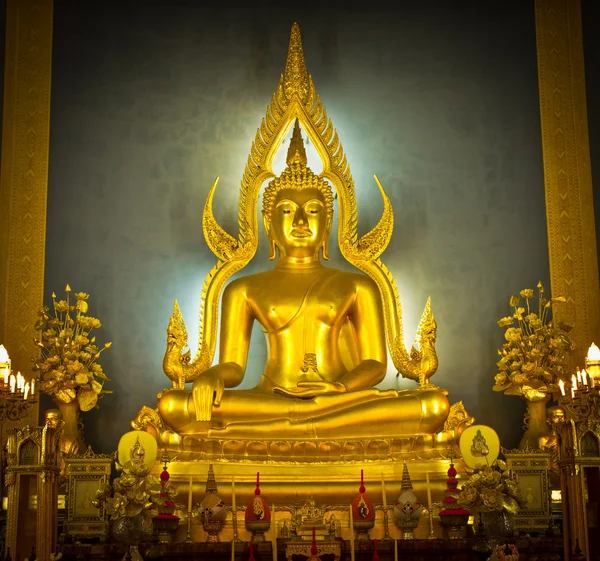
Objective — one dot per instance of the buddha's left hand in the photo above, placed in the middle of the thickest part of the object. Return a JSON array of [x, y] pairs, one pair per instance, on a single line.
[[312, 389]]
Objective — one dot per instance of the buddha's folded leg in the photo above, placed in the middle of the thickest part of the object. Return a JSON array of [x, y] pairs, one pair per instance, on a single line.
[[397, 415]]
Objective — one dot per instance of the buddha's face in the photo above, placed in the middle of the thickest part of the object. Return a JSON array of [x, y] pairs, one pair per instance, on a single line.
[[299, 225]]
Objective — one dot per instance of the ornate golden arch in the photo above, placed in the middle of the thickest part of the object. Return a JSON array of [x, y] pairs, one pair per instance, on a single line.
[[297, 98]]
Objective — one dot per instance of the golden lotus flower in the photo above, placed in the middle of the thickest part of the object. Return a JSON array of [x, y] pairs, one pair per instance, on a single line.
[[535, 354], [68, 366]]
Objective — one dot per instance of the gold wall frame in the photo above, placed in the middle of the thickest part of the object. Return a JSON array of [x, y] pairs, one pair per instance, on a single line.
[[86, 473], [567, 173], [532, 470], [24, 177]]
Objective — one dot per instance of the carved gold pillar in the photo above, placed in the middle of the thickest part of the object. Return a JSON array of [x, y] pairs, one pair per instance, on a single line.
[[567, 174], [24, 176]]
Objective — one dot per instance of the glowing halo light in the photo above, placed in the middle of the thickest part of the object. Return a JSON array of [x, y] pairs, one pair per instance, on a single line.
[[479, 444], [146, 440]]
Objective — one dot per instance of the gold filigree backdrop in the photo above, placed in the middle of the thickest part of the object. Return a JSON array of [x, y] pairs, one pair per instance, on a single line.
[[157, 111]]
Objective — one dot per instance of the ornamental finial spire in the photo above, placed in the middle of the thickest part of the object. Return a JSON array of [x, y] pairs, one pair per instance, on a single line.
[[296, 152], [295, 75]]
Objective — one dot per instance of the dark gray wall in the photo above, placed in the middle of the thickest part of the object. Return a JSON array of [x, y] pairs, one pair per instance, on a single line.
[[151, 101]]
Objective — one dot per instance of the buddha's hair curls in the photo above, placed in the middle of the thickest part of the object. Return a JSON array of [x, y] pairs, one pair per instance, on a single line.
[[297, 176]]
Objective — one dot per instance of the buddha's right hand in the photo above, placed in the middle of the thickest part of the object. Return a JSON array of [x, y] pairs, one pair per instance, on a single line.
[[207, 391]]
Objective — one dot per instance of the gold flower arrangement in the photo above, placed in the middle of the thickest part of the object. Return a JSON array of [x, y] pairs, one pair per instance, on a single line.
[[131, 494], [534, 357], [490, 488], [68, 366]]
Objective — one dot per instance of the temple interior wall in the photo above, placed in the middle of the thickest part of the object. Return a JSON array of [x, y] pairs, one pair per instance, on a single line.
[[151, 101]]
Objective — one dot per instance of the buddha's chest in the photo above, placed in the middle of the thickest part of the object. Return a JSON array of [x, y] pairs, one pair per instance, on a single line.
[[299, 303]]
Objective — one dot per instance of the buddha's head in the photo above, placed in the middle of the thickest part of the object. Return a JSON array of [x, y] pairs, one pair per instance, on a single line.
[[297, 207]]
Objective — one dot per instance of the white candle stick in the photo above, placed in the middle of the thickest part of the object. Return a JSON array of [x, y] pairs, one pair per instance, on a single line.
[[352, 553], [584, 377], [32, 387], [561, 385], [274, 533], [428, 492], [26, 391]]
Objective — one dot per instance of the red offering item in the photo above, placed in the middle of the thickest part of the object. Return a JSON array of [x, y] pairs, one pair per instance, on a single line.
[[362, 507], [258, 509], [450, 500], [314, 550], [375, 554]]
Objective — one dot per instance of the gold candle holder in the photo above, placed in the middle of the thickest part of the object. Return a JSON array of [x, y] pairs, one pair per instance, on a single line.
[[188, 538]]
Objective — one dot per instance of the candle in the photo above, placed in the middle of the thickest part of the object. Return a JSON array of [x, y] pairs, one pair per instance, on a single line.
[[26, 391], [352, 553], [573, 393], [32, 387], [274, 534], [579, 376], [573, 381], [233, 505], [190, 496], [395, 549], [13, 381], [428, 493], [561, 384], [383, 493], [584, 377]]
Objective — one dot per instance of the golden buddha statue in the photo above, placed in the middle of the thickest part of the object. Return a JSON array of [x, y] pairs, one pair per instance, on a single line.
[[328, 331]]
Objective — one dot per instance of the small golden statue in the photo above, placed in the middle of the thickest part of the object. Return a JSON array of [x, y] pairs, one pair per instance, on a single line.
[[328, 331]]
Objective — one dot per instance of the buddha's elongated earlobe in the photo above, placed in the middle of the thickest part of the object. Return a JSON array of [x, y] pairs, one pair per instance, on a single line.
[[272, 249], [325, 248]]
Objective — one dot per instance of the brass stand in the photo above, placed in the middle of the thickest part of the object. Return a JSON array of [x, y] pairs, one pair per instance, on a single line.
[[234, 520], [188, 538], [386, 526], [431, 535]]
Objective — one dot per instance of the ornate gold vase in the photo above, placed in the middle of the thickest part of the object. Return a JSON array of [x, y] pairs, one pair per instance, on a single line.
[[535, 423], [71, 441], [133, 530]]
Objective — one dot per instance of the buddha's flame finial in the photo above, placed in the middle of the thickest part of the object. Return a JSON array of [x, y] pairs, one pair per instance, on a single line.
[[362, 489], [296, 153], [257, 490], [295, 75], [211, 483]]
